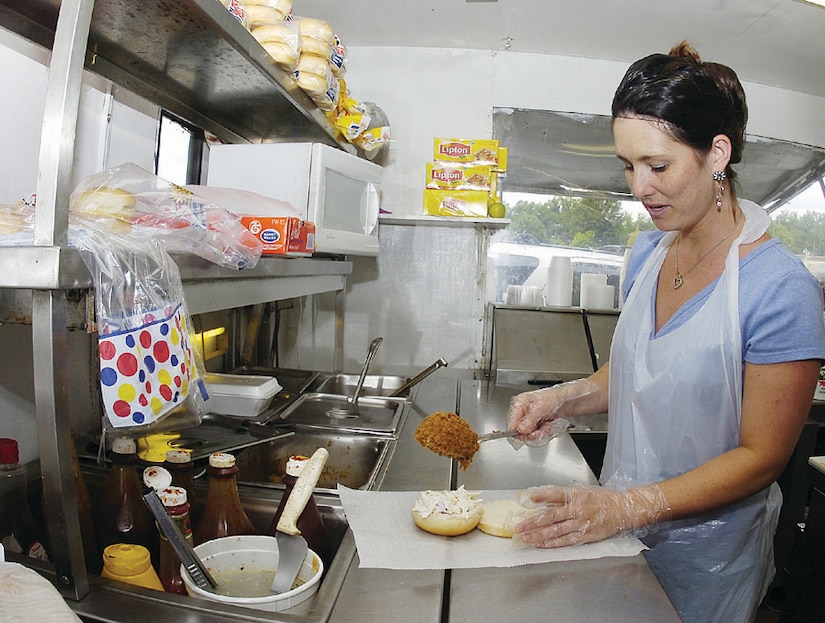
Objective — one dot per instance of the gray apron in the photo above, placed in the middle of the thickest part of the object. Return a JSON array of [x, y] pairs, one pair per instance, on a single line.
[[675, 403]]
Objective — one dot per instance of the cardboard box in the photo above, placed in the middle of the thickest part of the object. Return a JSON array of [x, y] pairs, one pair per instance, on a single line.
[[470, 203], [282, 235], [466, 150], [458, 176]]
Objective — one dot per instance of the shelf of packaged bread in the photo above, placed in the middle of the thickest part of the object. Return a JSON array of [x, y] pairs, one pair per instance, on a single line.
[[207, 287], [190, 57]]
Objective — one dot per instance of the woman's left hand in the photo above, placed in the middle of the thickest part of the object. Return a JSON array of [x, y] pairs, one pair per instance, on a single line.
[[574, 515]]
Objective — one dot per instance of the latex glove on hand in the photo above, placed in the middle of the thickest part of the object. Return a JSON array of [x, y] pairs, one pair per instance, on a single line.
[[539, 415], [581, 514]]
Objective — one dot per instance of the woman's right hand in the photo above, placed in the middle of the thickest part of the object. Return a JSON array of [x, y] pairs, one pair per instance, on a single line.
[[536, 414]]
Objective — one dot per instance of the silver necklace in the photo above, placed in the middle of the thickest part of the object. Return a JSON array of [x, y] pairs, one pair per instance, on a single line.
[[679, 279]]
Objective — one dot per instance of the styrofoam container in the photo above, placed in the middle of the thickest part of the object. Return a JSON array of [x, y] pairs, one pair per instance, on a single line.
[[253, 554], [243, 395]]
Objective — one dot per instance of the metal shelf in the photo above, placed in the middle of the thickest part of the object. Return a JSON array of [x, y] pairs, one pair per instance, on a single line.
[[192, 58]]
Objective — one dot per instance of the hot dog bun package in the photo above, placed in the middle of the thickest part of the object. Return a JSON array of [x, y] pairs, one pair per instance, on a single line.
[[281, 41]]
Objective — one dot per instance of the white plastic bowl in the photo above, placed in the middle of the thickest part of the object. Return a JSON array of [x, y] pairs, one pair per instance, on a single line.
[[232, 554]]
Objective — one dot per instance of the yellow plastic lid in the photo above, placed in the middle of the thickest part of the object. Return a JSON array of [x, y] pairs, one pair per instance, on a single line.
[[126, 559]]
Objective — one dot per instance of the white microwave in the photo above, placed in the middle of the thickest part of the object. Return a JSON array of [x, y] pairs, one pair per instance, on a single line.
[[336, 191]]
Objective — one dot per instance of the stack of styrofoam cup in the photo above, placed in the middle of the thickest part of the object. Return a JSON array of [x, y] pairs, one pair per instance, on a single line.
[[559, 288]]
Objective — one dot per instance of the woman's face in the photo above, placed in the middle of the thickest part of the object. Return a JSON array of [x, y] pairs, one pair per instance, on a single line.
[[673, 182]]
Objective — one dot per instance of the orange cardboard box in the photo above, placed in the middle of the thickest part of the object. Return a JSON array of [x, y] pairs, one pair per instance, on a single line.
[[282, 235]]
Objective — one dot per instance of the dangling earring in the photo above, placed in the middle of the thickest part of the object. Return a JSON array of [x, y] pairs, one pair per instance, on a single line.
[[720, 177]]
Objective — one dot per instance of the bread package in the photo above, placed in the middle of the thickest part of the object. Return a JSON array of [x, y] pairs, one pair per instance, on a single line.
[[281, 42]]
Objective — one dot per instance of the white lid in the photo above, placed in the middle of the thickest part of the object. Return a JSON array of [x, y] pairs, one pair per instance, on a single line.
[[245, 385], [124, 445], [178, 456], [295, 465], [157, 477], [172, 496], [221, 460]]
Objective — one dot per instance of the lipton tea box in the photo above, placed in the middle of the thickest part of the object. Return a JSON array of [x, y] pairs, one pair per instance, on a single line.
[[458, 176], [468, 151], [464, 203]]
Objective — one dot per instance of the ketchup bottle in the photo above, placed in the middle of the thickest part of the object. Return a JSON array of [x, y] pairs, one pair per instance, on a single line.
[[223, 514], [179, 463], [18, 530]]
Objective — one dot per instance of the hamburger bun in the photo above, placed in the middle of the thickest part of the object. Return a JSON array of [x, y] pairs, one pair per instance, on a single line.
[[447, 513], [500, 518], [104, 202]]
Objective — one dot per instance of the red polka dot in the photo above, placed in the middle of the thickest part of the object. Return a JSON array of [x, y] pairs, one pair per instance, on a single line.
[[145, 339], [161, 351], [166, 392], [127, 364], [122, 408], [143, 400], [148, 387], [178, 381], [107, 350]]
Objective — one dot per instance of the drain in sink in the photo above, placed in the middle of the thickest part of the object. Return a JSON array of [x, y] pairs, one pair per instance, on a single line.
[[341, 414]]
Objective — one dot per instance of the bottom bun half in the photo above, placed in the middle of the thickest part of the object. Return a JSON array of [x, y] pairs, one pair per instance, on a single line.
[[445, 524]]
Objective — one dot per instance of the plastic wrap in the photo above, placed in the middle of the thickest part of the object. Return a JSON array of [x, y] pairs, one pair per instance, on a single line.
[[130, 200]]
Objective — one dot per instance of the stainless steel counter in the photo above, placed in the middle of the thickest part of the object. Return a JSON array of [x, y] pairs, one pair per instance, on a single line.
[[615, 589]]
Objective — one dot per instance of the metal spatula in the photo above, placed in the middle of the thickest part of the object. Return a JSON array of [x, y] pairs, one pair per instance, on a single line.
[[292, 547]]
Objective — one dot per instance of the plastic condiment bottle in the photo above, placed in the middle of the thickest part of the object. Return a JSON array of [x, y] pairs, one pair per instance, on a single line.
[[223, 514], [19, 532], [179, 463], [123, 517], [310, 522], [130, 563], [175, 500]]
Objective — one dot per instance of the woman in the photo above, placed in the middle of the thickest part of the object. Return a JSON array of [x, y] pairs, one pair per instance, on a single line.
[[713, 363]]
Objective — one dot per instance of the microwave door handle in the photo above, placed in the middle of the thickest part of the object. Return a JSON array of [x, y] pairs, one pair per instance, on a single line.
[[373, 209]]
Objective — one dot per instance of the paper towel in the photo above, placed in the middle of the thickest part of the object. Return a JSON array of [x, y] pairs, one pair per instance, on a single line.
[[559, 288], [387, 538]]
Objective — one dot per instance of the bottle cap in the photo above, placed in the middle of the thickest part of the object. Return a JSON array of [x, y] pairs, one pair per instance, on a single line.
[[178, 456], [221, 460], [9, 452], [124, 445], [157, 477], [126, 559], [295, 464], [173, 496]]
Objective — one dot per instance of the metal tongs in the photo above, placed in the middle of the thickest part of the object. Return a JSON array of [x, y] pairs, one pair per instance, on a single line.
[[188, 557], [497, 434]]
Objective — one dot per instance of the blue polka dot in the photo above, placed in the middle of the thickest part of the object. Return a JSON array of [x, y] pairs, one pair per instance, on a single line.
[[149, 362], [164, 329], [142, 376], [130, 341], [108, 376], [138, 417], [174, 360]]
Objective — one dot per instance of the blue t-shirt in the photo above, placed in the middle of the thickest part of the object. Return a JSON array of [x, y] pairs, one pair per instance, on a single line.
[[780, 302]]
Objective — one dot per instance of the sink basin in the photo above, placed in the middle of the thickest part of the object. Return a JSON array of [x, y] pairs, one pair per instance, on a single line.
[[374, 384], [356, 461], [376, 415]]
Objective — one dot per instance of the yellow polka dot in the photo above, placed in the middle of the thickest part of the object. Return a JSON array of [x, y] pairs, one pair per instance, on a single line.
[[174, 337], [164, 377], [156, 404], [126, 392]]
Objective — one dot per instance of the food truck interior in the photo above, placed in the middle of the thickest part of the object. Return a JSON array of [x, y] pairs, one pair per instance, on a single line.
[[92, 85]]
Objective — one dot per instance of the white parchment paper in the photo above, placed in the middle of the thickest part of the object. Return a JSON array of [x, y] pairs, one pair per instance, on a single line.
[[387, 538]]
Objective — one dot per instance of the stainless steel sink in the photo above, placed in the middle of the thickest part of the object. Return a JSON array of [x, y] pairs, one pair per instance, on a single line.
[[344, 384], [333, 412], [356, 461]]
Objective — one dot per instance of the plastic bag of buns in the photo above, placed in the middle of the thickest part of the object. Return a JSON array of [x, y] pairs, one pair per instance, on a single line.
[[130, 200], [317, 36], [338, 58], [316, 79], [237, 10], [282, 42], [266, 12]]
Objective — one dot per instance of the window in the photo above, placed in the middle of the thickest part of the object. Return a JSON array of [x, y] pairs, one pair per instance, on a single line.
[[179, 151]]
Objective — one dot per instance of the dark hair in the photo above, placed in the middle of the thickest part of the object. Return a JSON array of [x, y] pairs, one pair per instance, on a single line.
[[695, 100]]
